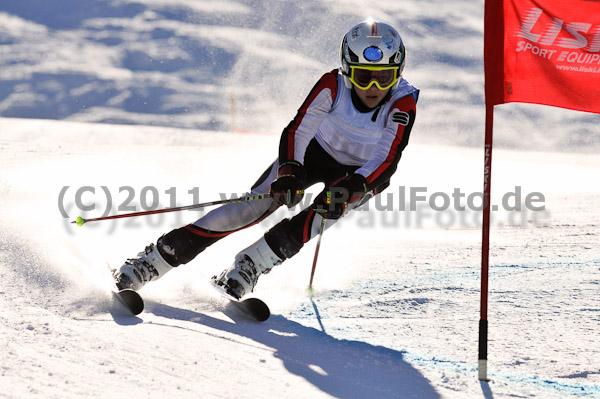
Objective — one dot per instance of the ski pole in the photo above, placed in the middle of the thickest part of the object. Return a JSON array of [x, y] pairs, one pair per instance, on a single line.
[[81, 221], [310, 289]]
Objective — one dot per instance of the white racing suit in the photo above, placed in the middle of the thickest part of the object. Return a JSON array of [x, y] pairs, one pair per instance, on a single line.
[[332, 135]]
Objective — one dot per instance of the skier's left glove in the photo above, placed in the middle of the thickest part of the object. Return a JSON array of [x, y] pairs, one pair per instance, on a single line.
[[333, 201], [288, 188]]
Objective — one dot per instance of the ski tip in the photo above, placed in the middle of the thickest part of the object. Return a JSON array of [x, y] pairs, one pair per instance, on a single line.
[[131, 300], [256, 308]]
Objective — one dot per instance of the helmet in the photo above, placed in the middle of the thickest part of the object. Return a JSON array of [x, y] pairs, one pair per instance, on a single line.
[[376, 47]]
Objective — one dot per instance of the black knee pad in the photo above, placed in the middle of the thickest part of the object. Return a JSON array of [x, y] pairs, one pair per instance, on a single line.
[[284, 240], [181, 246]]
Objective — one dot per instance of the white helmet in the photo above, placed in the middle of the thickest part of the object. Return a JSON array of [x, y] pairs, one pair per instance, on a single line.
[[372, 44]]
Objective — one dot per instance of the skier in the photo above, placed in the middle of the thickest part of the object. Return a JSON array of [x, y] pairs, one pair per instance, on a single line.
[[348, 134]]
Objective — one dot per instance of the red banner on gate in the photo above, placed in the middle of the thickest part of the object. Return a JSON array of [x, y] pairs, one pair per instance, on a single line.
[[543, 52]]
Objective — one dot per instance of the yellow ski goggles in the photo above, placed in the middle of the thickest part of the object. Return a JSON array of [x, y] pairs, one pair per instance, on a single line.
[[364, 77]]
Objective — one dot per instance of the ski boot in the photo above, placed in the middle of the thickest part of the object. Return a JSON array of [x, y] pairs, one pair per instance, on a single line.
[[241, 277], [149, 265]]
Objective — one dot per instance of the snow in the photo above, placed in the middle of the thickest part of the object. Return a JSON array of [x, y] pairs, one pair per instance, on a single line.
[[396, 308], [397, 293]]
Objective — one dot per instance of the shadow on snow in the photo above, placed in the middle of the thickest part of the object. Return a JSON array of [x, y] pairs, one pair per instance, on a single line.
[[341, 368]]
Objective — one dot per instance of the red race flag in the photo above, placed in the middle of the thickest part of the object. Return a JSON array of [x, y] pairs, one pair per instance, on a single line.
[[543, 52], [535, 51]]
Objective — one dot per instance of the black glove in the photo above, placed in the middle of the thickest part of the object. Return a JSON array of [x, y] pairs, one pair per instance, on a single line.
[[333, 201], [288, 188]]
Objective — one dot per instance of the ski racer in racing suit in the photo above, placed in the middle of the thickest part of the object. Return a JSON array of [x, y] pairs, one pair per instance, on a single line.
[[348, 134]]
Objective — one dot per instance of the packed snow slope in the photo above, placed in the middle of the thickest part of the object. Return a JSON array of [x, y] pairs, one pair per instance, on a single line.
[[247, 65], [396, 307]]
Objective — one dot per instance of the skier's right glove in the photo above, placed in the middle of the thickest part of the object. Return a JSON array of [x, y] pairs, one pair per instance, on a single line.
[[288, 188], [333, 201]]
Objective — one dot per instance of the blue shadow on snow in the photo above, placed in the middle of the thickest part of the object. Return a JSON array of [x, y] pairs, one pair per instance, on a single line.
[[341, 368]]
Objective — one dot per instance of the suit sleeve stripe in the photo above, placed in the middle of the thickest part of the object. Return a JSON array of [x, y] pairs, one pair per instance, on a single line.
[[287, 146], [404, 121]]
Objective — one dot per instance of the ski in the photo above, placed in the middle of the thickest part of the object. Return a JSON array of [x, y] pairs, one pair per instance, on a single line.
[[130, 299], [253, 307]]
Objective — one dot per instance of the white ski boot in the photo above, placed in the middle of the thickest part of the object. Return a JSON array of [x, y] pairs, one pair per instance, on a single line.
[[149, 265], [249, 264]]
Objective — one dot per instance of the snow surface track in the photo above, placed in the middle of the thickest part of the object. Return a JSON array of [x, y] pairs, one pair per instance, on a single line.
[[397, 302]]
